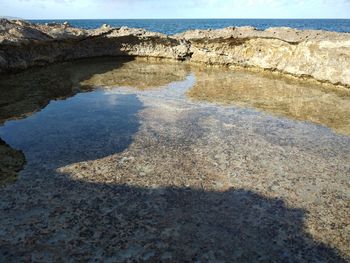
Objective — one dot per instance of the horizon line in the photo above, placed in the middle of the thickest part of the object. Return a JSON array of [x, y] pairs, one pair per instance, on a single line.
[[320, 18]]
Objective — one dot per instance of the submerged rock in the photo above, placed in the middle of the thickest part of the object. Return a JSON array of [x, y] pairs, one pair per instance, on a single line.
[[11, 162], [322, 55], [119, 173]]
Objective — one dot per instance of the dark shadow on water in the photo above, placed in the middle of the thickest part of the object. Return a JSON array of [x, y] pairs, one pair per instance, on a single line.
[[58, 219], [81, 221]]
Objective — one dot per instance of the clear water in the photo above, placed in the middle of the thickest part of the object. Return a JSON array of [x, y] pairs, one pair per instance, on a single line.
[[173, 26], [122, 171], [87, 126], [102, 122]]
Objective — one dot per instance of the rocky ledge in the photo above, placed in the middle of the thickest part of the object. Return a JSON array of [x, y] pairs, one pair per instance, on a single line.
[[321, 55]]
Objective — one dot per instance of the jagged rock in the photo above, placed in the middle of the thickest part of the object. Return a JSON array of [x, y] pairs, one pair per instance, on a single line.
[[322, 55]]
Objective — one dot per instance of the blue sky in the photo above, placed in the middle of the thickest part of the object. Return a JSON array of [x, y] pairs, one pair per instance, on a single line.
[[46, 9]]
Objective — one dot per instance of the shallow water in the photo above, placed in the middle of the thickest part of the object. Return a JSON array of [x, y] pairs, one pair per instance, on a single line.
[[85, 127], [152, 153], [299, 100]]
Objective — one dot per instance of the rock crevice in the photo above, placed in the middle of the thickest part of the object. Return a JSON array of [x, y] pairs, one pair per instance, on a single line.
[[322, 55]]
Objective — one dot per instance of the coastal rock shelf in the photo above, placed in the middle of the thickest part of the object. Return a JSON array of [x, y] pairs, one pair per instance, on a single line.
[[142, 154], [145, 160], [321, 55]]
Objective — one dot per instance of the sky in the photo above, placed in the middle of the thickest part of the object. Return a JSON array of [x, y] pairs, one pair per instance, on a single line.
[[94, 9]]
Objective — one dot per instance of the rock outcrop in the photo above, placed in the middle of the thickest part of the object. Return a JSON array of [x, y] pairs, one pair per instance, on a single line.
[[322, 55], [23, 45]]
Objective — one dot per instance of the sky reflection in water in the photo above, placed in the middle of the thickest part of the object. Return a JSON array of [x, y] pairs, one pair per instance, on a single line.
[[96, 124]]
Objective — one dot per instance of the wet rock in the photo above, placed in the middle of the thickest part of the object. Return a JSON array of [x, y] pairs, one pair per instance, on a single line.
[[11, 161], [190, 181]]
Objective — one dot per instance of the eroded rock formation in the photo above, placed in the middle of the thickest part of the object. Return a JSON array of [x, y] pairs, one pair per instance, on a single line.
[[322, 55]]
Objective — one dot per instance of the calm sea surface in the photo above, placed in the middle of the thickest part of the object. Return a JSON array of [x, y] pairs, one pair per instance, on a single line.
[[173, 26]]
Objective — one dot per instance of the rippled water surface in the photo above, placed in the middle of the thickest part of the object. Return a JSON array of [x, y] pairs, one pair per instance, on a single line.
[[155, 160]]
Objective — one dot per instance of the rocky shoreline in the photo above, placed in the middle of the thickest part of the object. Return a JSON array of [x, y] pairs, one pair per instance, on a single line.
[[164, 161], [321, 55], [138, 170]]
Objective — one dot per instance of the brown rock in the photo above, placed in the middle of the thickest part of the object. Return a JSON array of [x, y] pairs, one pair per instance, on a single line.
[[322, 55]]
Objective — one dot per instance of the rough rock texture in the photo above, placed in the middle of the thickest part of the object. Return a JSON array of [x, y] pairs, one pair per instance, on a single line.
[[23, 45], [11, 162], [122, 174], [322, 55]]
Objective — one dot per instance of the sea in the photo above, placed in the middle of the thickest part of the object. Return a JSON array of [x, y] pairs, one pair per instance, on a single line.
[[174, 26]]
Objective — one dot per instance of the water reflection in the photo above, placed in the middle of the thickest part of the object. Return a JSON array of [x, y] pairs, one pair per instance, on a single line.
[[26, 92], [201, 177], [141, 74], [99, 117], [23, 93], [85, 127], [299, 100]]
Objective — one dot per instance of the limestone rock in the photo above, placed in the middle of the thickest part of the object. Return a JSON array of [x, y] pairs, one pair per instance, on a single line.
[[322, 55]]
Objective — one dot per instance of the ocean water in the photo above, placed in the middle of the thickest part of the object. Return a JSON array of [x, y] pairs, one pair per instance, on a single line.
[[173, 26]]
